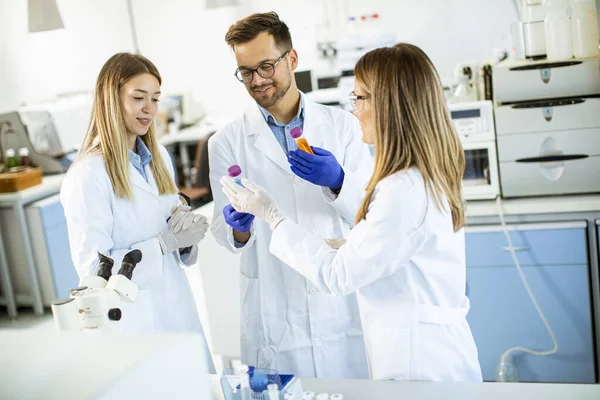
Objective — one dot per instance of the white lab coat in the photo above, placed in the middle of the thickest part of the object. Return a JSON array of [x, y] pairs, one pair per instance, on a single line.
[[98, 221], [285, 323], [407, 266]]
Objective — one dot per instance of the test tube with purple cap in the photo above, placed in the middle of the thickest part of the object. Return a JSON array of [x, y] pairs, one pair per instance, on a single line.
[[302, 143], [235, 173]]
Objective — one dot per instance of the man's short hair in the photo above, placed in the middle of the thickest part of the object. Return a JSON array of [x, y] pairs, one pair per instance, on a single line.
[[249, 28]]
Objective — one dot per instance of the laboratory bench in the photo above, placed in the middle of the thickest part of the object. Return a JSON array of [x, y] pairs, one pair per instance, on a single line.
[[19, 233], [556, 242], [362, 389], [555, 239]]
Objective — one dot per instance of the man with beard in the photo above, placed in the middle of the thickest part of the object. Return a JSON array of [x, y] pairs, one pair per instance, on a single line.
[[286, 324]]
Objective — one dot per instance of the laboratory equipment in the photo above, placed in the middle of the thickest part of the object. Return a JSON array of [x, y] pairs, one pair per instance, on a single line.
[[528, 40], [24, 160], [549, 147], [584, 29], [244, 391], [259, 383], [486, 82], [507, 371], [274, 392], [474, 124], [308, 396], [337, 396], [557, 27], [323, 396], [235, 173], [306, 81], [522, 80], [10, 159], [465, 90], [14, 133], [96, 300], [528, 35], [296, 134]]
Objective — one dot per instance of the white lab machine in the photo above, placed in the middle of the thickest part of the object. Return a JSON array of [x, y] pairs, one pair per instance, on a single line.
[[466, 75], [523, 80], [548, 126], [528, 34], [549, 147], [64, 118], [474, 124], [94, 305]]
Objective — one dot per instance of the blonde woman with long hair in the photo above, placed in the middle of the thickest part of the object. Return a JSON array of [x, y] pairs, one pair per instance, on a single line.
[[120, 195], [405, 257]]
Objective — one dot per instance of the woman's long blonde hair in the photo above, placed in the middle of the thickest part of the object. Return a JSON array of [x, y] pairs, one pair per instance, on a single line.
[[107, 132], [412, 125]]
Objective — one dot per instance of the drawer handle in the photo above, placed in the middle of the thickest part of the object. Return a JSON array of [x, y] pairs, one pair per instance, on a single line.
[[553, 158], [548, 103], [546, 65], [516, 248]]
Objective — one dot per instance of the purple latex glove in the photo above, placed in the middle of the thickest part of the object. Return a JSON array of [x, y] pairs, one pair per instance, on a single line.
[[321, 169], [241, 222]]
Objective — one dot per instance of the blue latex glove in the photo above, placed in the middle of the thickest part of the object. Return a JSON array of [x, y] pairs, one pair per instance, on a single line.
[[241, 222], [321, 168]]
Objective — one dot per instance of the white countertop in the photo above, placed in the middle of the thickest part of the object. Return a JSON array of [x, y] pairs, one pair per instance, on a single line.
[[475, 208], [535, 205], [50, 185], [359, 389], [192, 134]]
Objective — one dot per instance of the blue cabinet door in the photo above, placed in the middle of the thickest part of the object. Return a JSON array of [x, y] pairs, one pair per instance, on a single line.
[[502, 315], [59, 252]]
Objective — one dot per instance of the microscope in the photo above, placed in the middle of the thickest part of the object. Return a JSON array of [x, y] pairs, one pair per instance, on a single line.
[[94, 304]]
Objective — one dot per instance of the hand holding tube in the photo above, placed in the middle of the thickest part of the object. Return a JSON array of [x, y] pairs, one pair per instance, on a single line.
[[252, 199]]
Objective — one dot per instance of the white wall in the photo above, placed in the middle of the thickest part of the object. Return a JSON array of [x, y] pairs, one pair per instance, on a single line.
[[186, 42], [38, 66], [448, 31]]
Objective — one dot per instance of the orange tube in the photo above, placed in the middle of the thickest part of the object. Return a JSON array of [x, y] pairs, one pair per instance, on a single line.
[[304, 146]]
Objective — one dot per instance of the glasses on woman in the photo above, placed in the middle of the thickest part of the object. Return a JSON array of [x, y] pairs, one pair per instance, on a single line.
[[356, 101], [264, 70]]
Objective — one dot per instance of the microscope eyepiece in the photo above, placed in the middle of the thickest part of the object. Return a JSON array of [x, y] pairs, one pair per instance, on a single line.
[[129, 262], [105, 267]]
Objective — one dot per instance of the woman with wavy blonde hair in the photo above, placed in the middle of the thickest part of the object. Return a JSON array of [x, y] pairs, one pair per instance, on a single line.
[[405, 257], [120, 195]]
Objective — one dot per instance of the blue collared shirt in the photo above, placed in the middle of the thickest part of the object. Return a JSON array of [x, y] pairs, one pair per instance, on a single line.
[[140, 161], [142, 158], [281, 131]]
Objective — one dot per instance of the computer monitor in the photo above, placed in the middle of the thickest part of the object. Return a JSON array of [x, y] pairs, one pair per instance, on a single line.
[[305, 80], [189, 109]]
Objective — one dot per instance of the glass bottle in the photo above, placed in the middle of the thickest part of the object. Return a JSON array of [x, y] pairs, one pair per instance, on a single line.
[[11, 160]]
